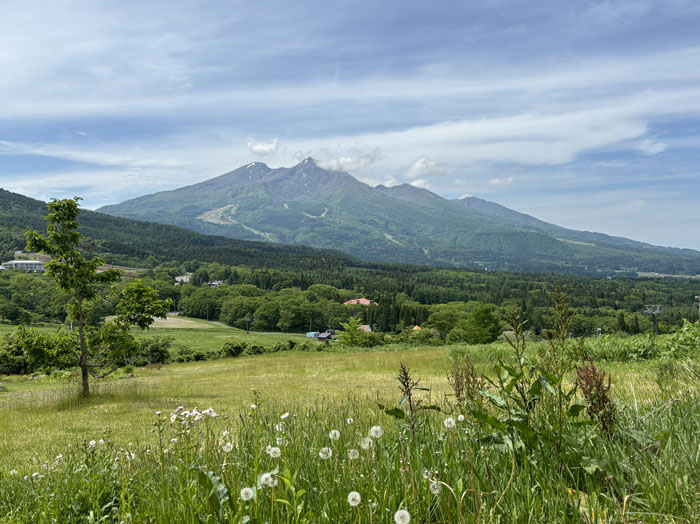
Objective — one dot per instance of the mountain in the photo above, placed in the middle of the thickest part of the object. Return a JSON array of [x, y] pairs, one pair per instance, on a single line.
[[311, 206]]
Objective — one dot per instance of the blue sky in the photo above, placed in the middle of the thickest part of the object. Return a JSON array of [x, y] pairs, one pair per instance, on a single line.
[[584, 113]]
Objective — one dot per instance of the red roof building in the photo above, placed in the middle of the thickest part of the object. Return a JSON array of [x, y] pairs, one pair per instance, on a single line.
[[360, 301]]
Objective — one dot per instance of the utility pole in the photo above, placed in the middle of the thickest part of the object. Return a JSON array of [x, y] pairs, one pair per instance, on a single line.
[[697, 297], [653, 310], [247, 323]]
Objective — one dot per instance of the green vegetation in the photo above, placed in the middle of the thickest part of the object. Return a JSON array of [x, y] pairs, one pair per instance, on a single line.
[[438, 465], [537, 427]]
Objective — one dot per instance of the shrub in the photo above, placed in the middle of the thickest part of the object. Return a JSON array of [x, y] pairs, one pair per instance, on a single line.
[[155, 350], [233, 349], [622, 348]]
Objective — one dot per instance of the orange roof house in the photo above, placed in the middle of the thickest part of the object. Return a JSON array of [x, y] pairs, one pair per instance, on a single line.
[[360, 301]]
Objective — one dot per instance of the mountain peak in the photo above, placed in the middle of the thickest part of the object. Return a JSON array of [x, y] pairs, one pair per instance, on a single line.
[[308, 161]]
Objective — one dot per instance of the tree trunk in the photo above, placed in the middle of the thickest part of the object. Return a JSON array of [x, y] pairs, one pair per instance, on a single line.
[[83, 350]]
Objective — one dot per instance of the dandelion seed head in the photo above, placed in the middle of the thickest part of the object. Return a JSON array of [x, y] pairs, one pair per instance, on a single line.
[[366, 443], [325, 453], [435, 487], [353, 454], [247, 494], [334, 434], [275, 452], [460, 418], [376, 432], [269, 480], [13, 473], [92, 443], [227, 447], [354, 498], [402, 517], [449, 423]]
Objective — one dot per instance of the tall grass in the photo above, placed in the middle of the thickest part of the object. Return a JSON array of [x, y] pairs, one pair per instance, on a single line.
[[194, 466]]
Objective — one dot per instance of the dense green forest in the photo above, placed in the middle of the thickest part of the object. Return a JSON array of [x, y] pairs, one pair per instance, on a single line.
[[299, 300], [294, 288]]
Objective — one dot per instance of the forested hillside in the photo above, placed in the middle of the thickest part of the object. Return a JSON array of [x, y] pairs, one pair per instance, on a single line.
[[293, 287]]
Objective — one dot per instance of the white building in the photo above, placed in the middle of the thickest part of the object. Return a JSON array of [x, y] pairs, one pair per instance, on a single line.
[[30, 266]]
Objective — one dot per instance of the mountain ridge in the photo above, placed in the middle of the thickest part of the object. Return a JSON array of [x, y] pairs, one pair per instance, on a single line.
[[306, 204]]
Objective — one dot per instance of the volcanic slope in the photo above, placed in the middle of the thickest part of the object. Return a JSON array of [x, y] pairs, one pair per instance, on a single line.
[[311, 206]]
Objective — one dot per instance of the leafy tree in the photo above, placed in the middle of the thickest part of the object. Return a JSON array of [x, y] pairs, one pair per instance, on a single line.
[[285, 321], [482, 327], [621, 324], [139, 305], [69, 267], [352, 335]]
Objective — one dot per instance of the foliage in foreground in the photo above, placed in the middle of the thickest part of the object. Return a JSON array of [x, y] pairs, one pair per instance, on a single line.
[[303, 466]]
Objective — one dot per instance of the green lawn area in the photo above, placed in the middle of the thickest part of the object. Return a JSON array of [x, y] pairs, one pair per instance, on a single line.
[[55, 414]]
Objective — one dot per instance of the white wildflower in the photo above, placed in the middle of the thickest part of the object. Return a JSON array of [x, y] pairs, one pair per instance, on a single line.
[[275, 452], [280, 441], [268, 479], [92, 443], [173, 417], [253, 406], [173, 440], [325, 453], [366, 443], [334, 434], [284, 415], [349, 420], [376, 432], [402, 517], [158, 413], [247, 494], [354, 498], [460, 418], [227, 447], [13, 473], [449, 423], [353, 454]]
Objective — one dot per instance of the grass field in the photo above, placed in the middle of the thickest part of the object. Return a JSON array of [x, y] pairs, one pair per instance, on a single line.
[[125, 405], [167, 467]]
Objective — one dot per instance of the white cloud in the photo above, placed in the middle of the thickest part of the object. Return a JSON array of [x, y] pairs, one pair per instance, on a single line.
[[466, 195], [353, 160], [506, 181], [651, 147], [424, 166], [421, 183], [263, 148]]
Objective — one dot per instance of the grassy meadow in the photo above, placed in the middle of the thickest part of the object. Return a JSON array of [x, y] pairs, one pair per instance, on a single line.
[[138, 451]]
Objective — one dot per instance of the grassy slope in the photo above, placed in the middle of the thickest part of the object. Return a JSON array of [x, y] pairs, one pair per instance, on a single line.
[[126, 406]]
